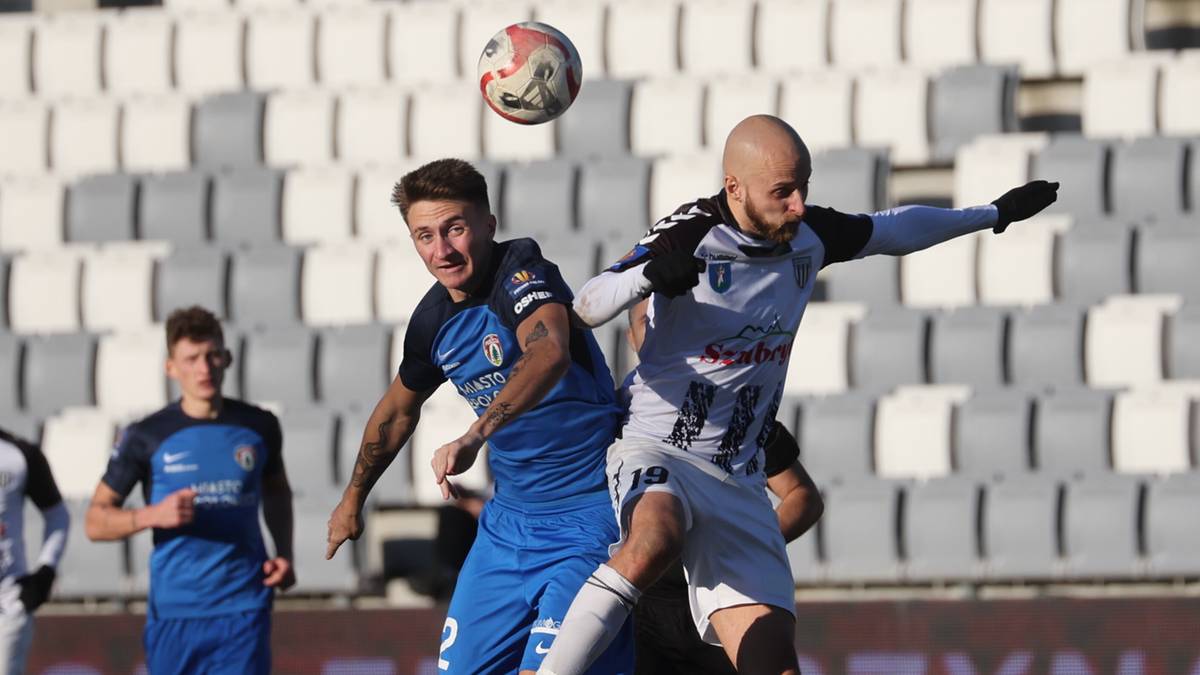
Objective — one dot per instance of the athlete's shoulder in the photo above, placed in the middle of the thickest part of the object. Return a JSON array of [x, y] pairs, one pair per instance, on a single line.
[[159, 423], [683, 229], [517, 253], [248, 411], [842, 234]]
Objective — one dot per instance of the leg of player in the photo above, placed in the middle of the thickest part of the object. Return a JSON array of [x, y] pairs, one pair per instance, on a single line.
[[758, 638]]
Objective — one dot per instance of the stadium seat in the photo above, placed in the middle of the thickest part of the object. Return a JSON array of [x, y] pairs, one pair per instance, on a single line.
[[1120, 98], [1073, 431], [1123, 343], [614, 196], [94, 569], [819, 362], [971, 101], [942, 276], [375, 217], [430, 52], [174, 207], [280, 45], [354, 365], [732, 99], [141, 545], [336, 284], [371, 126], [642, 39], [191, 275], [859, 532], [1102, 527], [940, 529], [992, 430], [310, 437], [31, 213], [989, 166], [83, 137], [1172, 533], [1020, 529], [25, 124], [717, 37], [156, 134], [118, 286], [679, 179], [1183, 343], [16, 53], [1093, 261], [209, 52], [12, 354], [59, 373], [1030, 247], [940, 33], [539, 199], [1081, 166], [1148, 179], [395, 487], [1087, 32], [598, 125], [227, 130], [967, 346], [444, 417], [1177, 98], [891, 110], [865, 33], [400, 282], [67, 54], [245, 206], [298, 128], [505, 141], [351, 43], [666, 117], [137, 52], [776, 48], [852, 180], [318, 206], [129, 373], [321, 576], [43, 292], [279, 366], [912, 433], [445, 121], [837, 438], [888, 348], [874, 281], [819, 104], [1166, 255], [264, 286], [480, 21], [584, 22], [1000, 20], [804, 559], [25, 426], [1151, 431], [1045, 346], [102, 208], [576, 261]]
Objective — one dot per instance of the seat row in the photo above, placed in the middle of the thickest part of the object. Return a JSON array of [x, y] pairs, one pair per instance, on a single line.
[[1142, 95]]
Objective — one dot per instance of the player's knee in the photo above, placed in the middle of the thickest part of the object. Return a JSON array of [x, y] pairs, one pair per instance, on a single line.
[[653, 545]]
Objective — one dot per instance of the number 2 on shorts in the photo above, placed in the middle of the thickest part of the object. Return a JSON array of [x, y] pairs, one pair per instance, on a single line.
[[451, 627], [654, 476]]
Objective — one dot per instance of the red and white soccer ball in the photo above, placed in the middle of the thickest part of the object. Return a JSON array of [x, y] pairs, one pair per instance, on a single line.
[[529, 73]]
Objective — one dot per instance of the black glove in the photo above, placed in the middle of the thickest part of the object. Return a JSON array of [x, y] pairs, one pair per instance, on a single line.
[[674, 273], [35, 588], [1024, 202]]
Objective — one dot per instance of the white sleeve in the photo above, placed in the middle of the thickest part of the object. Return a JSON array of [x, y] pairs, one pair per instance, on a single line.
[[54, 538], [907, 229], [605, 296]]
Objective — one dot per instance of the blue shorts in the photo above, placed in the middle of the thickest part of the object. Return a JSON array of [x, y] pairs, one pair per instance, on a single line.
[[233, 644], [517, 583]]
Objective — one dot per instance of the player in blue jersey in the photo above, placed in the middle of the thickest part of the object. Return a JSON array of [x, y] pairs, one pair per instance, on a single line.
[[206, 463], [496, 325]]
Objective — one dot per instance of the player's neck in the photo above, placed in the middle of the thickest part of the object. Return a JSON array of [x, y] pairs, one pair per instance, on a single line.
[[202, 408]]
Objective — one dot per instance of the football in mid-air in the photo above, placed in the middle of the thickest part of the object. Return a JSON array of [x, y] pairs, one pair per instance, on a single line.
[[529, 73]]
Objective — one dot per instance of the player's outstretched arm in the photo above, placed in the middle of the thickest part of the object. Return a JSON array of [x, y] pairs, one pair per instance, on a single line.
[[106, 520]]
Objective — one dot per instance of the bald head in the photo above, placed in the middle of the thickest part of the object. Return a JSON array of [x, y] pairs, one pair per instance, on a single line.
[[759, 141], [767, 168]]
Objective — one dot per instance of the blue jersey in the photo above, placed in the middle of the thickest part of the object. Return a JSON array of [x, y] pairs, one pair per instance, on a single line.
[[554, 450], [213, 565]]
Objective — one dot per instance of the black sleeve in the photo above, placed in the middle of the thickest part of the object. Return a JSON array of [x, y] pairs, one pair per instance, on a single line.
[[842, 234], [128, 464], [273, 437], [683, 229], [417, 370], [39, 481], [527, 287], [781, 450]]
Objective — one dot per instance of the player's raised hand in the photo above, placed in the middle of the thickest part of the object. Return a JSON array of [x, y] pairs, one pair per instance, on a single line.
[[175, 510], [454, 458], [279, 574], [346, 522], [1024, 202], [674, 273]]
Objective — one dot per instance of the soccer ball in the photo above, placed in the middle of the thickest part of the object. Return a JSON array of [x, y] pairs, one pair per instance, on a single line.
[[529, 73]]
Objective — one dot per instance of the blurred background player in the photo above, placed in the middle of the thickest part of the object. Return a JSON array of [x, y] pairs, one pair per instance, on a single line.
[[24, 472], [496, 325], [206, 463]]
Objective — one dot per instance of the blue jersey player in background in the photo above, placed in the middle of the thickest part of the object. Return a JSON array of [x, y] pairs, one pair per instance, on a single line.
[[496, 324], [205, 464]]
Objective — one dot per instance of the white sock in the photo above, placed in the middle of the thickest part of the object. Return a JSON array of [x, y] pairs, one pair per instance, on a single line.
[[596, 614]]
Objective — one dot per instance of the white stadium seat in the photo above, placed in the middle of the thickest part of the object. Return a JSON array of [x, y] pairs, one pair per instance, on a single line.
[[445, 121], [506, 141], [1179, 97], [156, 133], [279, 48], [820, 106], [182, 6], [118, 283], [43, 292], [480, 21], [318, 206], [372, 126], [446, 416], [16, 50], [252, 5], [940, 276], [775, 44], [1087, 32], [209, 52], [913, 431], [1124, 340], [1029, 247], [400, 282], [24, 134], [940, 33], [137, 52], [77, 443], [717, 37], [865, 33], [375, 217], [1151, 427], [892, 111], [1033, 20], [643, 39], [666, 116], [130, 381], [351, 45], [1120, 98], [336, 284], [298, 128], [732, 99], [31, 213], [429, 53], [989, 166], [66, 54], [396, 353], [679, 179], [820, 358], [583, 21], [83, 137]]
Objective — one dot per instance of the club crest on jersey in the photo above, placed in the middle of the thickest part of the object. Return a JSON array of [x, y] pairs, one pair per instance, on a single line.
[[720, 276], [493, 350], [244, 456], [802, 267]]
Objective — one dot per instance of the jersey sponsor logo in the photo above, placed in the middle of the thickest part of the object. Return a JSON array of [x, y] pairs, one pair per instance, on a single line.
[[530, 299], [443, 357], [546, 626], [223, 494], [523, 281], [492, 349], [478, 391], [244, 456], [748, 347], [521, 277], [720, 276], [451, 366], [801, 269], [170, 458]]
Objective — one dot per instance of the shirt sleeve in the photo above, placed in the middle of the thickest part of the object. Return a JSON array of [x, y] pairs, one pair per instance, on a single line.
[[842, 234], [128, 464], [273, 437], [39, 481], [781, 450], [526, 289], [417, 371]]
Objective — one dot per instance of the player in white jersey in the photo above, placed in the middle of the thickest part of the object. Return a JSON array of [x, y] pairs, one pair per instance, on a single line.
[[24, 472], [728, 278]]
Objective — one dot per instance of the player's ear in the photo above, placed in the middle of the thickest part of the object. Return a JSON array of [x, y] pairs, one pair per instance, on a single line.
[[492, 224], [733, 189]]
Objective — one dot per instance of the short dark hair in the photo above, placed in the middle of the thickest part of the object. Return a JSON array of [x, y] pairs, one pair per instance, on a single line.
[[442, 179], [193, 323]]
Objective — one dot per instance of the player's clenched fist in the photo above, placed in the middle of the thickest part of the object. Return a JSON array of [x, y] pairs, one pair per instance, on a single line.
[[279, 573], [346, 522], [674, 273], [175, 510], [454, 458]]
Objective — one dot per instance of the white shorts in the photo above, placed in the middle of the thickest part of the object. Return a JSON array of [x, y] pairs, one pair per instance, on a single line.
[[733, 553]]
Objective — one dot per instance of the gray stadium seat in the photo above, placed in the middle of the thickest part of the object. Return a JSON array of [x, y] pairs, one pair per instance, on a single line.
[[539, 199], [940, 526], [1101, 527], [852, 180], [1093, 261], [614, 198], [992, 430], [598, 125], [874, 280], [91, 569], [174, 207], [59, 372], [1172, 531], [1020, 529], [28, 427], [1081, 166], [859, 531], [966, 346], [1183, 343], [264, 286], [315, 574], [1147, 178], [575, 257], [395, 486], [191, 275], [1073, 432], [970, 101], [493, 174], [836, 436], [1166, 259], [354, 365], [309, 439], [102, 208], [11, 353], [5, 265], [141, 545], [804, 557], [246, 206], [227, 130], [278, 366], [887, 348], [1045, 346]]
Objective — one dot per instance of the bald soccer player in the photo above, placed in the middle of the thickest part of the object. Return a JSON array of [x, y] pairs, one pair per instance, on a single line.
[[728, 278]]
